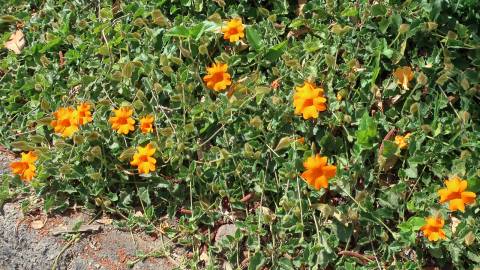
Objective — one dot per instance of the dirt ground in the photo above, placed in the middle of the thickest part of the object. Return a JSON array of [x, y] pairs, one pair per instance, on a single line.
[[35, 241]]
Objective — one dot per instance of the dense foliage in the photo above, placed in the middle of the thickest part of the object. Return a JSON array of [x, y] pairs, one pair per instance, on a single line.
[[235, 156]]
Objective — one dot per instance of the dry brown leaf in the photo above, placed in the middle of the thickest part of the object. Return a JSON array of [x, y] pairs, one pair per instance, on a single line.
[[298, 32], [204, 257], [83, 228], [301, 4], [37, 224], [16, 42], [455, 222], [105, 221]]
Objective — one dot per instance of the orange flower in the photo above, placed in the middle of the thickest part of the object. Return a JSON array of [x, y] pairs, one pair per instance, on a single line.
[[143, 159], [26, 167], [309, 100], [318, 171], [66, 122], [146, 124], [233, 31], [122, 122], [218, 77], [456, 195], [403, 75], [84, 114], [402, 141], [433, 229]]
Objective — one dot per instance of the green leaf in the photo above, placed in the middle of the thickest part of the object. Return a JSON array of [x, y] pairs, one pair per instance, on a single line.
[[51, 44], [254, 38], [389, 149], [412, 224], [178, 31], [473, 184], [411, 172], [312, 46], [379, 10], [367, 131], [474, 257], [276, 51], [285, 264], [350, 12], [196, 31], [383, 25], [48, 203], [257, 261], [144, 195]]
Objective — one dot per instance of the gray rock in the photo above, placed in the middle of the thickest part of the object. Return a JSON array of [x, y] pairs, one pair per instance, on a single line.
[[224, 230]]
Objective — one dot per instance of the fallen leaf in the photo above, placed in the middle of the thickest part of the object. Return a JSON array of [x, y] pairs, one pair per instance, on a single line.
[[104, 221], [284, 143], [228, 266], [455, 222], [299, 32], [204, 257], [225, 230], [37, 224], [16, 42], [301, 4], [83, 228]]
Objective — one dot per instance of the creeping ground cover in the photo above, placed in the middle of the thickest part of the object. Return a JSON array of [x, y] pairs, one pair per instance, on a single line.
[[332, 134]]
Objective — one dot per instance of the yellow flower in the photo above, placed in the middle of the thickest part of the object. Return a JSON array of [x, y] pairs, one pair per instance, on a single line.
[[318, 171], [309, 100], [218, 77], [455, 194], [26, 167], [146, 124], [402, 141], [66, 122], [403, 75], [233, 31], [143, 159], [122, 122], [433, 229], [83, 113]]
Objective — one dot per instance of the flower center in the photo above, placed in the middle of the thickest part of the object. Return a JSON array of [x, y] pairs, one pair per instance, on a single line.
[[144, 158], [65, 122], [122, 121], [308, 102], [233, 31], [24, 166], [455, 195], [217, 77]]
